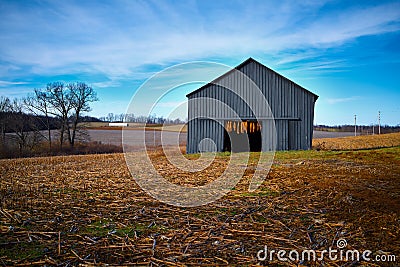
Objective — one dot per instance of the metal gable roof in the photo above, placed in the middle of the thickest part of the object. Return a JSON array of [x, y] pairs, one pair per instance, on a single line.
[[238, 67]]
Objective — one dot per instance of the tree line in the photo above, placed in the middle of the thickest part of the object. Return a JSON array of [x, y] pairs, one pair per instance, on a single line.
[[57, 106], [129, 117], [362, 129]]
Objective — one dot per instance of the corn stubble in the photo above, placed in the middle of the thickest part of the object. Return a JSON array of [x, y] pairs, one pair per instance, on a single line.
[[88, 210]]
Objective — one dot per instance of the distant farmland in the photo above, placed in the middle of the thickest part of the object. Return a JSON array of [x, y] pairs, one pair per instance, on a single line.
[[114, 137]]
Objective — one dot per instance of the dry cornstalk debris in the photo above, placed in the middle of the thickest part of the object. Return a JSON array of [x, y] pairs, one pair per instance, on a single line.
[[88, 210]]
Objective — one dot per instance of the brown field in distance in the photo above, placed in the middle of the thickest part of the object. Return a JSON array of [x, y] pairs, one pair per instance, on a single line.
[[358, 142]]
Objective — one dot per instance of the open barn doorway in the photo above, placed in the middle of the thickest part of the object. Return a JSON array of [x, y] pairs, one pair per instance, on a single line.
[[237, 133]]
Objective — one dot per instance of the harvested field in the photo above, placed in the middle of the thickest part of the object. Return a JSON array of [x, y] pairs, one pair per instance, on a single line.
[[114, 137], [88, 210], [358, 142]]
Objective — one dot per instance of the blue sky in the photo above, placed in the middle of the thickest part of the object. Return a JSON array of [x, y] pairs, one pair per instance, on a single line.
[[347, 52]]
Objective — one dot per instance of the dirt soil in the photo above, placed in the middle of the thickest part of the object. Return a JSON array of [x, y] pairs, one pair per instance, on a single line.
[[88, 210]]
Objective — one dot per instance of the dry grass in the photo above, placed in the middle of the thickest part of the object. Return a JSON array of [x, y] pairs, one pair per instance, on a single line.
[[358, 142], [42, 149], [93, 124], [71, 210], [174, 128]]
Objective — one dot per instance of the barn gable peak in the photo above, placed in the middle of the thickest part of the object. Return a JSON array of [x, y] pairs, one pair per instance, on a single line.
[[240, 66]]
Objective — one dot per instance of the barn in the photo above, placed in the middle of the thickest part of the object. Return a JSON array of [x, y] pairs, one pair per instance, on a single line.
[[250, 108]]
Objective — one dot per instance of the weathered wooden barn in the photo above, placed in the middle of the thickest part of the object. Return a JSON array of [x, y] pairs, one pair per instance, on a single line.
[[232, 114]]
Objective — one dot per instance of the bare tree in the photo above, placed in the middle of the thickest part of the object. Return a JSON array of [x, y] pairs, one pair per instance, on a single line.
[[80, 96], [121, 117], [110, 117], [38, 103], [129, 117], [4, 114], [59, 98], [23, 126], [67, 103]]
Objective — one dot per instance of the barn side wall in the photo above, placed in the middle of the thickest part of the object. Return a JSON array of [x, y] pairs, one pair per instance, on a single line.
[[201, 129]]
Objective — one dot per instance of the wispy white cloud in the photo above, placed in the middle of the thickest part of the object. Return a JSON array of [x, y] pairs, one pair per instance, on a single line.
[[8, 83], [342, 100], [117, 39], [314, 67], [106, 84], [349, 24]]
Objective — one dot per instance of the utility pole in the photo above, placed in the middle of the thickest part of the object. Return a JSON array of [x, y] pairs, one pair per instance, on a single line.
[[154, 137], [355, 125], [379, 122]]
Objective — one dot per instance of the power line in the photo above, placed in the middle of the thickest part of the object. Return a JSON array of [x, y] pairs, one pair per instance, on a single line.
[[379, 122]]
